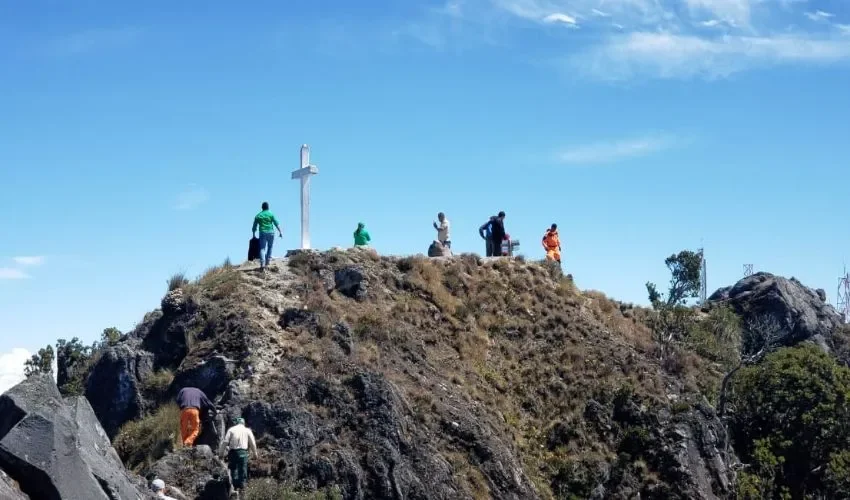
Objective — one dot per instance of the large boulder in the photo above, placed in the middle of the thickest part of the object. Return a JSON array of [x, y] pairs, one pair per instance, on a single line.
[[802, 313], [195, 471], [114, 385], [56, 449]]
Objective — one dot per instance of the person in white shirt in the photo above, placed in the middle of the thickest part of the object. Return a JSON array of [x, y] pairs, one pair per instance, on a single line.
[[442, 228], [158, 487], [237, 442]]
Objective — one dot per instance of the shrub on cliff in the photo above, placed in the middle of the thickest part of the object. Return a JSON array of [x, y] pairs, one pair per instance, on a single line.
[[790, 425]]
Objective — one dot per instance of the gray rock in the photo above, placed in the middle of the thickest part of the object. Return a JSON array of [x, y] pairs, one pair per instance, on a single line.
[[436, 249], [196, 471], [56, 449], [351, 282], [800, 311], [174, 302], [114, 385], [9, 489]]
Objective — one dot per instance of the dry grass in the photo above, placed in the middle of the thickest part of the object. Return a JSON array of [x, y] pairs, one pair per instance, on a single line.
[[156, 386], [142, 442], [177, 280]]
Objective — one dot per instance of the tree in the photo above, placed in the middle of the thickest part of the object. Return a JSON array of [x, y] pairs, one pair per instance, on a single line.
[[760, 337], [71, 358], [110, 336], [684, 282], [790, 424], [40, 363]]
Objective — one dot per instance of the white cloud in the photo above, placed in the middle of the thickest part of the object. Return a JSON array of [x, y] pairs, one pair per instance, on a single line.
[[733, 11], [559, 17], [9, 273], [33, 260], [622, 39], [819, 15], [664, 55], [12, 367], [613, 151], [192, 198]]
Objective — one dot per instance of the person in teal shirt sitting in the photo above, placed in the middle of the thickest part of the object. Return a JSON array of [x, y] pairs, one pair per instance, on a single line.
[[361, 236], [267, 222]]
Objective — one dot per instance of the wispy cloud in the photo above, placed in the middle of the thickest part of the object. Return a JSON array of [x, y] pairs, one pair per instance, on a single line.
[[685, 56], [618, 150], [32, 260], [819, 15], [12, 367], [560, 17], [94, 40], [10, 273], [192, 198], [622, 39]]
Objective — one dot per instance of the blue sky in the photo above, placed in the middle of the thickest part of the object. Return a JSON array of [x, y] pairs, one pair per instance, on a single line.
[[139, 139]]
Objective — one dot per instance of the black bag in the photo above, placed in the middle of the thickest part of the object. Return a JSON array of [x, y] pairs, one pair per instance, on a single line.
[[254, 249]]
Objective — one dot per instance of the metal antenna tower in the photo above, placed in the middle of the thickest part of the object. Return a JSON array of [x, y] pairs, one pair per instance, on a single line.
[[703, 278], [748, 270], [843, 300]]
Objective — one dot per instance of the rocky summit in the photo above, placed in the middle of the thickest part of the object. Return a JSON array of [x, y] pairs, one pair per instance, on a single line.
[[401, 378]]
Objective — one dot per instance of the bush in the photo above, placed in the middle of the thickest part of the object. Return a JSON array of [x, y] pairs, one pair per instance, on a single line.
[[269, 489], [142, 442], [156, 386], [717, 337], [177, 280], [790, 423]]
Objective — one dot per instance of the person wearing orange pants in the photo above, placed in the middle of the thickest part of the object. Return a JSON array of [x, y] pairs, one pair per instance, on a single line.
[[192, 401], [190, 425], [552, 244]]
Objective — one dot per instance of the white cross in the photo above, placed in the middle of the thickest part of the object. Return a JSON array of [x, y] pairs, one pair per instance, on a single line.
[[304, 173]]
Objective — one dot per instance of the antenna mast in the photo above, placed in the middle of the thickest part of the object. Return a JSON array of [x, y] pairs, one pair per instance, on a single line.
[[843, 300], [703, 278]]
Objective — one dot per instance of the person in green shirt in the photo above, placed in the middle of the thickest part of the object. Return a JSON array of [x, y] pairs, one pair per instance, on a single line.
[[267, 222], [361, 236]]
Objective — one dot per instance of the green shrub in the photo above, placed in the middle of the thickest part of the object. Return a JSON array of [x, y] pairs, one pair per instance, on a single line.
[[269, 489], [142, 442], [790, 423], [717, 337]]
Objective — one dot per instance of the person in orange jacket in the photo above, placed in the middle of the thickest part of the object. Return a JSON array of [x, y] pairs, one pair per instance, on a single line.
[[552, 244]]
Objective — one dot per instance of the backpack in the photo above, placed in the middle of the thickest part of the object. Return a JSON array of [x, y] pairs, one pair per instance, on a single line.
[[254, 249]]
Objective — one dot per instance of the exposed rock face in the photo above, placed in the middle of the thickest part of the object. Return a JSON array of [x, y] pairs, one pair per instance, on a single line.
[[351, 282], [9, 489], [56, 449], [800, 311], [197, 472], [114, 385], [437, 249]]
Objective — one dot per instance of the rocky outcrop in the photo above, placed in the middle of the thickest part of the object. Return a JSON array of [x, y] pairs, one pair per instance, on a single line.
[[351, 282], [114, 385], [56, 449], [802, 313], [197, 472]]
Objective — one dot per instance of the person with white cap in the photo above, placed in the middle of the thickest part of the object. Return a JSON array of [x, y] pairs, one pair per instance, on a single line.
[[158, 487]]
